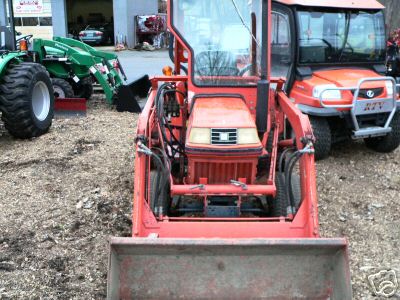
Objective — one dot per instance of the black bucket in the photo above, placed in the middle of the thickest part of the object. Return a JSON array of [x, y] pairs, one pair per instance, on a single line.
[[129, 96]]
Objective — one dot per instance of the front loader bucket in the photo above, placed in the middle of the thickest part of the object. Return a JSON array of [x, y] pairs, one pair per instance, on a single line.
[[129, 96], [145, 268]]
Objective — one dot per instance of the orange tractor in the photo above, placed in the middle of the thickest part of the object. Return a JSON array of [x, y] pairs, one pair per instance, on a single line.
[[332, 54], [224, 207]]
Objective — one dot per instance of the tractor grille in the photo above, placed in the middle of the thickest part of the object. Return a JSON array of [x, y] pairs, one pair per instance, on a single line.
[[370, 93], [223, 173], [223, 136]]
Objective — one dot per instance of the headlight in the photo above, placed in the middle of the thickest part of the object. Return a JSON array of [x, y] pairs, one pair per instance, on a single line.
[[200, 136], [389, 88], [247, 136], [327, 95]]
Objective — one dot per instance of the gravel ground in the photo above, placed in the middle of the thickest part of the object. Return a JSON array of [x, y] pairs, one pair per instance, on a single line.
[[63, 194]]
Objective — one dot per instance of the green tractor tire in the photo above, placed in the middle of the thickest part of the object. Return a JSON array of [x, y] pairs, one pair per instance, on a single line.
[[26, 100], [62, 88], [84, 88]]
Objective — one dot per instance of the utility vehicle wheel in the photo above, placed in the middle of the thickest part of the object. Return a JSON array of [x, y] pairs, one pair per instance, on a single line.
[[323, 137], [389, 142], [159, 195], [84, 88], [26, 100], [279, 205], [62, 88]]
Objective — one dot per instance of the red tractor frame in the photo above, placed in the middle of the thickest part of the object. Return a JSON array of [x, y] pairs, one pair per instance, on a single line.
[[220, 202]]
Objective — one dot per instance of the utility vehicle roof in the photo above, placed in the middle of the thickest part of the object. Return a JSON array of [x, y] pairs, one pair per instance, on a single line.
[[358, 4]]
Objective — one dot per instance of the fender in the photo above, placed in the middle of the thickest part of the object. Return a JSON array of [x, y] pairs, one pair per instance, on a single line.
[[5, 60]]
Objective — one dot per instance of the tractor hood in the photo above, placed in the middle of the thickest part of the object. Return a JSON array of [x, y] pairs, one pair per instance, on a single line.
[[222, 123], [221, 113], [347, 77]]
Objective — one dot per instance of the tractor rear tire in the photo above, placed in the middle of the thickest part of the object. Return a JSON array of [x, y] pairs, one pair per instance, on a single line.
[[162, 197], [323, 137], [84, 88], [389, 142], [26, 100], [62, 88]]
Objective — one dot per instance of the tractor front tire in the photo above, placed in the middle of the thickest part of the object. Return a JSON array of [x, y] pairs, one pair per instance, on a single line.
[[323, 137], [389, 142], [84, 88], [26, 100], [278, 205], [62, 88], [159, 197]]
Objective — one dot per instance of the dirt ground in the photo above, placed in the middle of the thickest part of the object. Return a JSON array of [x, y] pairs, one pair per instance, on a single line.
[[63, 194]]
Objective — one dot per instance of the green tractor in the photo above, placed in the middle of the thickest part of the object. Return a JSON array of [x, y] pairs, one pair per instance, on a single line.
[[74, 66], [26, 91]]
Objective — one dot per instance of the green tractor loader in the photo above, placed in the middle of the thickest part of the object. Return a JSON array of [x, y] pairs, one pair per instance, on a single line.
[[74, 65]]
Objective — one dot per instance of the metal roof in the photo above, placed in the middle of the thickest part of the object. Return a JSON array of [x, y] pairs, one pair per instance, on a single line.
[[361, 4]]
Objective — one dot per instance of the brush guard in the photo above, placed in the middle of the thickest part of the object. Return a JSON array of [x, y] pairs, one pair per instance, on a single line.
[[360, 107], [162, 268]]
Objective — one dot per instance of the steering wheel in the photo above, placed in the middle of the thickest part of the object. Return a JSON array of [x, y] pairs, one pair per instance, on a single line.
[[25, 37], [327, 43], [344, 52], [350, 47], [215, 63], [323, 40], [245, 70]]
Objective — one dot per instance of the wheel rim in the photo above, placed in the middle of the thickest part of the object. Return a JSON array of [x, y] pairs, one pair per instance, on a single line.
[[41, 101], [58, 91]]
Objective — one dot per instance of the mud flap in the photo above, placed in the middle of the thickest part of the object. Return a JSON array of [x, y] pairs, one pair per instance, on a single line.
[[129, 96], [141, 268]]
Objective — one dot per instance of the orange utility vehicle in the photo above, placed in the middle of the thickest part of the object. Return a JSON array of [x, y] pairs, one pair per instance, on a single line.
[[224, 207], [332, 54]]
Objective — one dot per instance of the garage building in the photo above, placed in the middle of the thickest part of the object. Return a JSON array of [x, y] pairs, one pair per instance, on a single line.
[[45, 18]]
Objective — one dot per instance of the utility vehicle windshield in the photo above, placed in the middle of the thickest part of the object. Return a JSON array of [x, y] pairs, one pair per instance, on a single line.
[[224, 37], [341, 37]]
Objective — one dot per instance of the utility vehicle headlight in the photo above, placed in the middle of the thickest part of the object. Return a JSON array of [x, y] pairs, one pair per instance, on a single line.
[[200, 136], [327, 94], [389, 88], [247, 136]]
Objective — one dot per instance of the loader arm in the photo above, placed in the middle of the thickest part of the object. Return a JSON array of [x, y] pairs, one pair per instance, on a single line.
[[105, 56], [83, 60], [302, 127], [299, 121]]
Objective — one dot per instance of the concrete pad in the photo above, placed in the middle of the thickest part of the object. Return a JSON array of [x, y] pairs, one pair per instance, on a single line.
[[139, 63]]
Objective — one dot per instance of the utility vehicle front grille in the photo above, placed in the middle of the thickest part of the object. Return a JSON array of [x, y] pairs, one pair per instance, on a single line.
[[370, 93]]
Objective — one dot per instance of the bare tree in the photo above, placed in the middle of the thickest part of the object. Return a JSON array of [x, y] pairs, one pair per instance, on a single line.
[[392, 14]]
